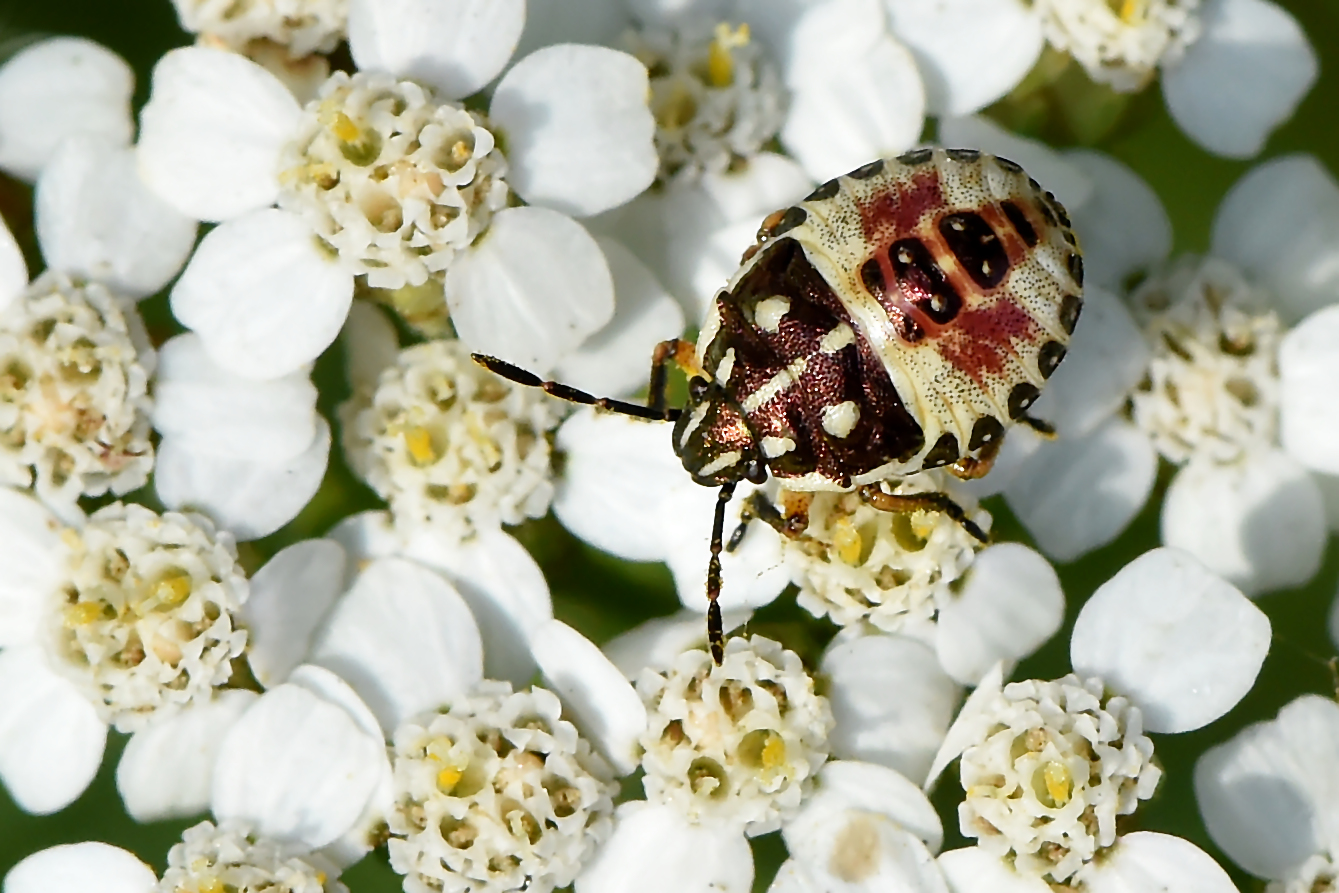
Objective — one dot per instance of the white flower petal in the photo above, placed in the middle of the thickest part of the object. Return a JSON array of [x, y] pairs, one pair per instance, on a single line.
[[601, 702], [971, 52], [249, 499], [616, 360], [1122, 227], [370, 344], [51, 739], [32, 565], [1329, 494], [455, 47], [655, 643], [1077, 493], [404, 639], [560, 21], [579, 131], [1269, 795], [504, 588], [298, 767], [1280, 223], [13, 269], [791, 878], [1107, 357], [1241, 78], [364, 536], [654, 849], [80, 867], [290, 597], [58, 88], [705, 259], [212, 411], [1181, 643], [1309, 402], [262, 296], [1147, 860], [95, 219], [1010, 603], [1052, 170], [531, 291], [973, 870], [211, 133], [856, 93], [619, 471], [167, 767], [970, 725], [863, 787], [767, 182], [1259, 523], [892, 701]]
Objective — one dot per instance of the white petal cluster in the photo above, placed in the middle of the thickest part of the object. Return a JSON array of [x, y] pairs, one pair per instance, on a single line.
[[232, 857], [855, 563], [1212, 387], [146, 618], [496, 793], [392, 180], [1122, 44], [740, 741], [716, 97], [74, 402], [303, 26], [1059, 762], [1318, 874], [451, 445]]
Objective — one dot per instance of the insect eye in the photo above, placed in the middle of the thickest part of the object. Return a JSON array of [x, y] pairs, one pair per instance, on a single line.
[[697, 389]]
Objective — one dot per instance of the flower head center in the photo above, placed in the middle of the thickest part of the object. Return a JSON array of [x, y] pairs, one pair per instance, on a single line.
[[233, 858], [1121, 42]]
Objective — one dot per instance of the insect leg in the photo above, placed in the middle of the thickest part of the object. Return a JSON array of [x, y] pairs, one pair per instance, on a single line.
[[715, 635], [683, 353], [571, 394], [910, 502], [1044, 428], [969, 469], [757, 507]]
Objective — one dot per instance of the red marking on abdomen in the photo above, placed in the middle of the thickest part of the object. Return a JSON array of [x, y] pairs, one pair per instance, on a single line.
[[980, 340], [895, 212]]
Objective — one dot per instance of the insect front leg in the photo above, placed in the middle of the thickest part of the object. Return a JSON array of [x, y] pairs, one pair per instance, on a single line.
[[683, 354], [790, 521], [884, 501]]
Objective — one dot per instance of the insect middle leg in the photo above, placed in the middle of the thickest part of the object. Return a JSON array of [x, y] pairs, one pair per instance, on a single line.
[[909, 502]]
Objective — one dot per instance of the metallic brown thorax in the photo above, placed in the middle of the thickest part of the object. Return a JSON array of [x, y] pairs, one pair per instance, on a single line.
[[897, 319]]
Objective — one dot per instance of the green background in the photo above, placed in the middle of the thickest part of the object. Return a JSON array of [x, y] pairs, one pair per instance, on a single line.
[[602, 596]]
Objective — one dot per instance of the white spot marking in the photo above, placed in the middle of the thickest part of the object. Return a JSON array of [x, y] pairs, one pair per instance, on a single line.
[[840, 420], [837, 339], [694, 421], [769, 311], [937, 303], [782, 380], [726, 367], [776, 446], [904, 256], [724, 460]]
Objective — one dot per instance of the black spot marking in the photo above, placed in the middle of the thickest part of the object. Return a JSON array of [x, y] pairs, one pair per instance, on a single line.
[[872, 275], [1012, 167], [923, 282], [824, 192], [1070, 239], [908, 329], [789, 220], [944, 452], [1032, 181], [1048, 214], [976, 247], [986, 430], [1059, 210], [1070, 308], [967, 156], [916, 156], [1052, 352], [1020, 398], [1020, 223], [865, 171], [1075, 264]]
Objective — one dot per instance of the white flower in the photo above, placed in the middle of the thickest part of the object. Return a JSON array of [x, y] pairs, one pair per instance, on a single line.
[[301, 27], [1230, 378], [1268, 796], [1122, 47], [89, 865], [250, 454], [397, 181], [124, 620], [1048, 766], [233, 857], [449, 444]]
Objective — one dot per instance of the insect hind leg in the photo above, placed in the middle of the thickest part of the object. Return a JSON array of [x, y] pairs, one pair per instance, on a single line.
[[515, 373], [884, 501], [715, 634]]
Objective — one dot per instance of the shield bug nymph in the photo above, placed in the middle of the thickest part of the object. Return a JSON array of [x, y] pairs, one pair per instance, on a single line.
[[897, 319]]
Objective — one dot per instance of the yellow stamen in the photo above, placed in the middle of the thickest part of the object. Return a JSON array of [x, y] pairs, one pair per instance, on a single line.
[[720, 62], [419, 443], [846, 540], [172, 590], [1133, 12], [209, 885], [344, 128], [82, 613], [1058, 782], [774, 752], [447, 779]]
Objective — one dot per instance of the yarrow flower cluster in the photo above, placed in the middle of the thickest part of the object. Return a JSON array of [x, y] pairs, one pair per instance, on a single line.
[[1122, 45], [301, 26], [231, 856]]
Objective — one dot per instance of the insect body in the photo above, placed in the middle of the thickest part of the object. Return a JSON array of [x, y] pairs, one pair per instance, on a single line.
[[897, 319]]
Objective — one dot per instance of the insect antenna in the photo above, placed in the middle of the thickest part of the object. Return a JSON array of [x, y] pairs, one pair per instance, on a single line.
[[715, 635], [573, 395]]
